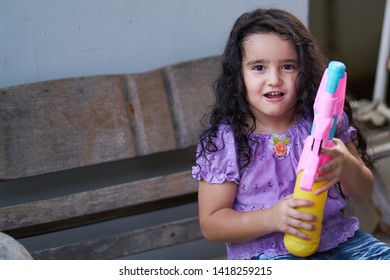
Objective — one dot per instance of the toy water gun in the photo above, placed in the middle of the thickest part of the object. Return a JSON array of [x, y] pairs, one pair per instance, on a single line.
[[328, 110]]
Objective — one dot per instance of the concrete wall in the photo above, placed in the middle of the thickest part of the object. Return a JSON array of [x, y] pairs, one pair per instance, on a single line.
[[51, 39]]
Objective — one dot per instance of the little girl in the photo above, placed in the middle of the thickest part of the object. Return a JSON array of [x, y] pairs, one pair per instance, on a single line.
[[271, 70]]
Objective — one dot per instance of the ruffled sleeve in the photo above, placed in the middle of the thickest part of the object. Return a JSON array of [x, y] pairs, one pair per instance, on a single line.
[[219, 166], [344, 130]]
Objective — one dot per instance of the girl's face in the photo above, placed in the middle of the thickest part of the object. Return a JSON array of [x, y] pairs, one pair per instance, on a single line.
[[270, 70]]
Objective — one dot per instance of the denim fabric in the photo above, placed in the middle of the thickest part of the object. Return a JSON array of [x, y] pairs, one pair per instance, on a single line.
[[362, 246]]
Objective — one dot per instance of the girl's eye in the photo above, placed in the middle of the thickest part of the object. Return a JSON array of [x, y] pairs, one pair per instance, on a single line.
[[288, 67], [258, 68]]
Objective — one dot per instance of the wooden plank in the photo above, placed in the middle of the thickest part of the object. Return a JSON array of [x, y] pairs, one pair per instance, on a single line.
[[125, 244], [150, 113], [69, 123], [190, 92], [62, 124], [98, 205]]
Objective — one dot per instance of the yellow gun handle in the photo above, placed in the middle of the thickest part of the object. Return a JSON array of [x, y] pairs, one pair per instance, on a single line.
[[298, 246]]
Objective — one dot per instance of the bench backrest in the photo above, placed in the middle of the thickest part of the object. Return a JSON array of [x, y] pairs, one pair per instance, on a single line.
[[63, 125]]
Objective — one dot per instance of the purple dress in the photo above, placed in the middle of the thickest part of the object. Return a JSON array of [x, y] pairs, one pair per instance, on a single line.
[[269, 178]]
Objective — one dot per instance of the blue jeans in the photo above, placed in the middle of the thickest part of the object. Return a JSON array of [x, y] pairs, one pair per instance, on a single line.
[[362, 246]]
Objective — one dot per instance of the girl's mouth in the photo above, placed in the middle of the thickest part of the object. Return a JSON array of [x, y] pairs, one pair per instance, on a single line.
[[274, 94]]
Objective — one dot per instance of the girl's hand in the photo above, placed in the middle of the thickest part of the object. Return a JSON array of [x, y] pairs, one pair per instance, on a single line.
[[288, 219], [337, 168]]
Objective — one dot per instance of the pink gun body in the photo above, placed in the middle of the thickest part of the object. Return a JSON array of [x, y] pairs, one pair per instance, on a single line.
[[328, 109]]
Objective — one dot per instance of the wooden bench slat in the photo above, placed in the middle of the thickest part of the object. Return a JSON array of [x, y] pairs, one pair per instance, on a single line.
[[63, 124], [97, 205], [150, 113], [69, 123], [124, 244], [190, 93]]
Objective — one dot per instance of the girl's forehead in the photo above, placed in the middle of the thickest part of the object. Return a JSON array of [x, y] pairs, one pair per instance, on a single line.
[[268, 47]]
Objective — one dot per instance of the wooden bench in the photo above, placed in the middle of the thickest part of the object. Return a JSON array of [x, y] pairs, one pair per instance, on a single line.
[[82, 152]]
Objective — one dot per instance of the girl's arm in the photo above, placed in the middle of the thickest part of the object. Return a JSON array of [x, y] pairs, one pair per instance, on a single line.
[[220, 223], [347, 167]]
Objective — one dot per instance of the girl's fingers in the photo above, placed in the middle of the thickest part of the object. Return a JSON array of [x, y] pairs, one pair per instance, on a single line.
[[302, 216], [296, 232], [297, 226], [297, 202]]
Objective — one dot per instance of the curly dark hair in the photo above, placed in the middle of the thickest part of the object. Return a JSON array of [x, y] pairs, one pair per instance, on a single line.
[[231, 106]]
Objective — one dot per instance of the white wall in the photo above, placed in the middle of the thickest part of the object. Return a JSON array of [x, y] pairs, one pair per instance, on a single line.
[[50, 39]]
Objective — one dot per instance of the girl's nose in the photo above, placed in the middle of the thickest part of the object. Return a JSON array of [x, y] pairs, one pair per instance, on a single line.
[[274, 78]]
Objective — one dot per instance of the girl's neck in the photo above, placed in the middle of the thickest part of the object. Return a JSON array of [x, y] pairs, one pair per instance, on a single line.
[[274, 125]]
